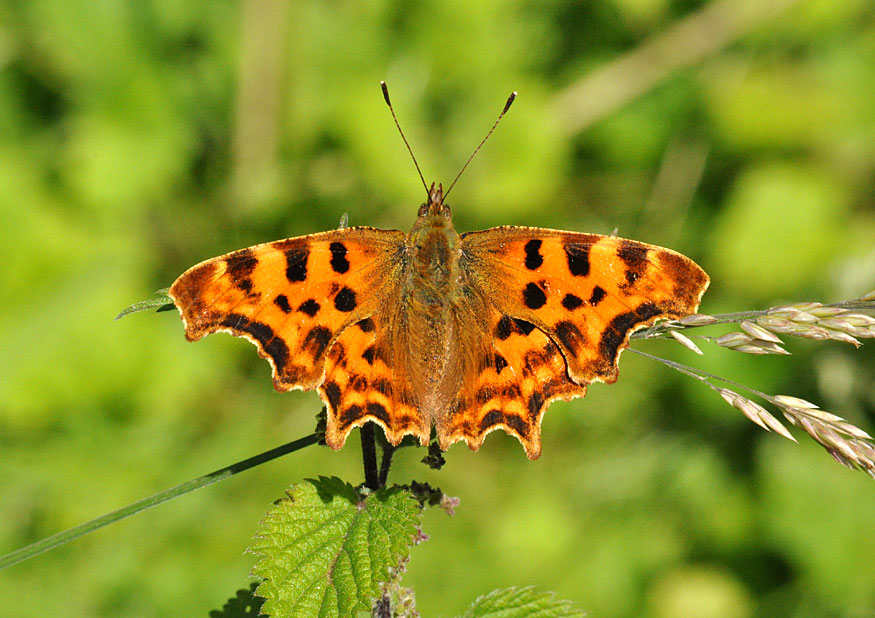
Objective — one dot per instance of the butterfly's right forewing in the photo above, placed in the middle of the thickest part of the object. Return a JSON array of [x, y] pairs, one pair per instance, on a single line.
[[317, 307]]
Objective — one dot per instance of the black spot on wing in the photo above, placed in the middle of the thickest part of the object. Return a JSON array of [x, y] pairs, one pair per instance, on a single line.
[[293, 374], [551, 387], [239, 265], [504, 328], [511, 391], [493, 417], [597, 296], [517, 424], [258, 331], [500, 363], [278, 351], [339, 263], [489, 391], [484, 394], [358, 383], [571, 302], [534, 259], [282, 302], [570, 336], [378, 411], [374, 352], [532, 360], [296, 263], [382, 385], [332, 393], [317, 340], [337, 353], [369, 354], [633, 255], [577, 257], [310, 307], [366, 325], [345, 300], [523, 327], [534, 297], [234, 321], [617, 329], [275, 347], [536, 402], [351, 414]]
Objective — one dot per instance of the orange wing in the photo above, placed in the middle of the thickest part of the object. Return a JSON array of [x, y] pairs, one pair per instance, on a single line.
[[366, 379], [581, 293], [513, 372], [296, 300]]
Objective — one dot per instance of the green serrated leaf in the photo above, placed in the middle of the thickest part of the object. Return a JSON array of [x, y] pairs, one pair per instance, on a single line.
[[244, 605], [521, 603], [161, 302], [325, 550]]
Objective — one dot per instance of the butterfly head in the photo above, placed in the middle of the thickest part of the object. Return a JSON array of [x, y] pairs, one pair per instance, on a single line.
[[435, 204]]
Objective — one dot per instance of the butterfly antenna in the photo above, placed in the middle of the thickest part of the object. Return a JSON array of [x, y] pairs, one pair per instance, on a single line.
[[406, 143], [507, 105]]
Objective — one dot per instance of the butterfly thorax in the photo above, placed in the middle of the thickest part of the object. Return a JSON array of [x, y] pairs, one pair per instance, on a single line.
[[433, 251]]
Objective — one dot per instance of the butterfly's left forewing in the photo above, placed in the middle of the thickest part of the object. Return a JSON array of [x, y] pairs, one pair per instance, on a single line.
[[587, 292]]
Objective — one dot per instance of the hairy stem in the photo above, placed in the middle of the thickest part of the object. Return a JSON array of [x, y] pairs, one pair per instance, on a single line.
[[386, 463], [75, 532]]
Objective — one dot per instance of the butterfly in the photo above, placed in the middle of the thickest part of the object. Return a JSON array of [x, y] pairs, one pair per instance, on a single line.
[[464, 333]]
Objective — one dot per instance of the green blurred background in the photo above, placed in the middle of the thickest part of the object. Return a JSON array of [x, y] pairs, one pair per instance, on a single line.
[[138, 138]]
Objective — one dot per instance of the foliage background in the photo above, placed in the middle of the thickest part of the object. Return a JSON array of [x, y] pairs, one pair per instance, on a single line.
[[137, 139]]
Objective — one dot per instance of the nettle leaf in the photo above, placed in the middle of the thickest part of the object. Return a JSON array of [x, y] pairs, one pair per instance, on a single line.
[[160, 301], [325, 550], [521, 603]]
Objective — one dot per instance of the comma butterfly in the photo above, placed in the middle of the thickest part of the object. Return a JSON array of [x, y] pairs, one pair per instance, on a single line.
[[469, 333]]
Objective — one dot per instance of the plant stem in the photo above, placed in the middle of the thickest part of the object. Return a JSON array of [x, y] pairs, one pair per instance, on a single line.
[[386, 463], [369, 456], [700, 374], [168, 494]]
